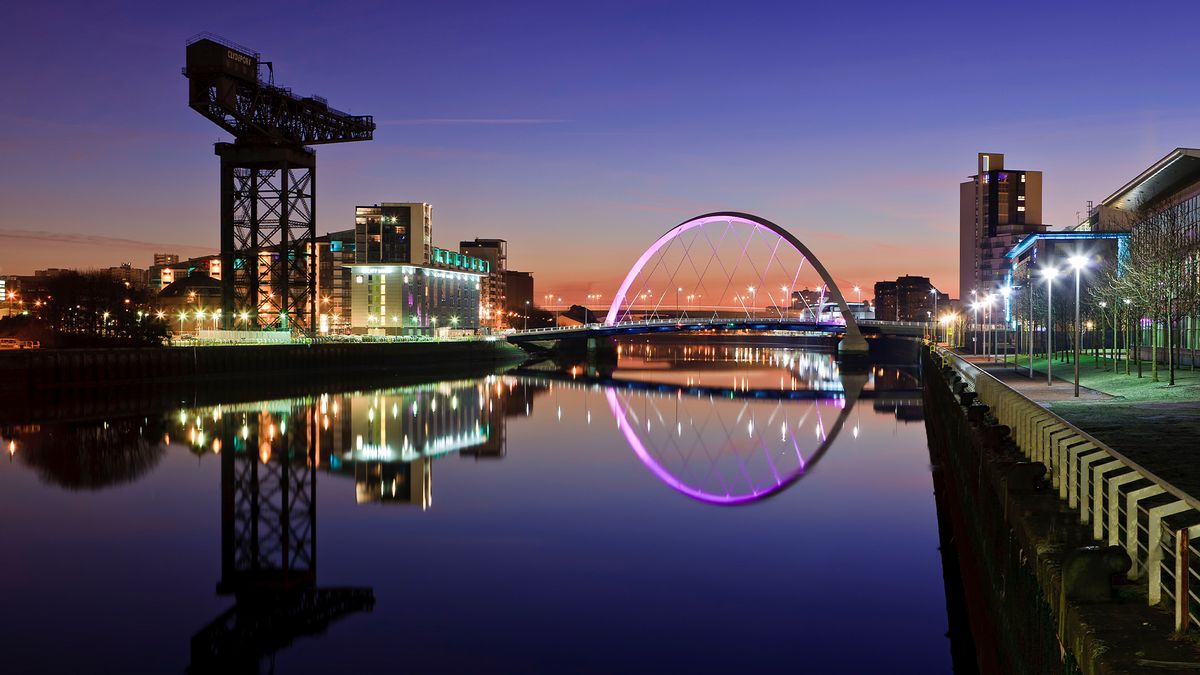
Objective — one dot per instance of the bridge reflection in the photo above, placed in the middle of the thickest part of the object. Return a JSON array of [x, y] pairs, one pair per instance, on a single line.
[[760, 417]]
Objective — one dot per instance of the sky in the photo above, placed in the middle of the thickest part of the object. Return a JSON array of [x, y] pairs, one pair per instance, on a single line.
[[581, 131]]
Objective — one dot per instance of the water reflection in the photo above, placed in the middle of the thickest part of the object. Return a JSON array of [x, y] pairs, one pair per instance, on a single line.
[[87, 455], [721, 424], [712, 424]]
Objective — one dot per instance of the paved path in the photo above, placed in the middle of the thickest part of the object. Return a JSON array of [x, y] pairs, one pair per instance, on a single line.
[[1162, 436], [1036, 388]]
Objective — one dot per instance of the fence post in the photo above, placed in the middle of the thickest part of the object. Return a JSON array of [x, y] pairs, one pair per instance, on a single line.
[[1182, 572]]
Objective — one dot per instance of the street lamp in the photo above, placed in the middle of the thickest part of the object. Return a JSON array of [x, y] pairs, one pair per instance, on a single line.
[[526, 326], [1048, 273], [1078, 262], [988, 300], [1006, 292], [974, 325], [750, 289], [934, 293]]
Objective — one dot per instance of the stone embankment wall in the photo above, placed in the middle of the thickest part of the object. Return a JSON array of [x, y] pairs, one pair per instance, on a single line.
[[1038, 589], [129, 380]]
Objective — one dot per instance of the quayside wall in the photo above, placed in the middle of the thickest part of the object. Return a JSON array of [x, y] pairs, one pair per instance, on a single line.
[[85, 382], [1051, 587]]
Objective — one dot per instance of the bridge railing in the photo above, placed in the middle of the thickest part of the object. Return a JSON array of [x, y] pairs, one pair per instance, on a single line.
[[672, 321], [1127, 505]]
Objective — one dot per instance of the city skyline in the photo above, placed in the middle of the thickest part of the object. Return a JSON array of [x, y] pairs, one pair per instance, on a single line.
[[852, 135]]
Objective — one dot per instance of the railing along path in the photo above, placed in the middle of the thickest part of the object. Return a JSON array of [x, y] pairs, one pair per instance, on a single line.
[[1156, 523]]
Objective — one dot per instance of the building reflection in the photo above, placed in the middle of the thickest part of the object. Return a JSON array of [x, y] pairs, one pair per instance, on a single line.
[[897, 390], [385, 441]]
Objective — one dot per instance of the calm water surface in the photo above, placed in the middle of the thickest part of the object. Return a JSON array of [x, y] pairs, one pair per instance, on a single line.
[[704, 509]]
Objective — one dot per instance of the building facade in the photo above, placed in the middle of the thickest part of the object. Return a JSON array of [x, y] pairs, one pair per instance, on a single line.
[[495, 251], [909, 298], [335, 252], [518, 293], [393, 232], [998, 207], [398, 299]]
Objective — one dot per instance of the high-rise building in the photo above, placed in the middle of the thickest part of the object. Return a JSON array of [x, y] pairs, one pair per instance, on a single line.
[[494, 291], [998, 207], [162, 259], [393, 232], [908, 298], [518, 291]]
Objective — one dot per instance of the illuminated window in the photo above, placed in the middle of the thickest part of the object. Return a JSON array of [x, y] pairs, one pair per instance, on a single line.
[[1020, 208]]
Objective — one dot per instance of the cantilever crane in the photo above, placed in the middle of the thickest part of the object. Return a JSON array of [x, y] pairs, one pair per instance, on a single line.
[[268, 182]]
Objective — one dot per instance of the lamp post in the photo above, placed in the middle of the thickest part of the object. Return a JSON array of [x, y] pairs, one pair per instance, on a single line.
[[974, 325], [1006, 292], [1078, 262], [526, 326], [989, 335], [751, 290], [975, 321], [1049, 273], [1031, 326], [934, 293]]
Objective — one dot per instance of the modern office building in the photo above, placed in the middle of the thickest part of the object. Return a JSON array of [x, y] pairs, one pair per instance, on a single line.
[[908, 298], [162, 259], [393, 232], [998, 207], [400, 299], [1054, 249], [495, 251]]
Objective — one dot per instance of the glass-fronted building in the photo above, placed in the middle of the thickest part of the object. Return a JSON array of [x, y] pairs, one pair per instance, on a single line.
[[415, 300]]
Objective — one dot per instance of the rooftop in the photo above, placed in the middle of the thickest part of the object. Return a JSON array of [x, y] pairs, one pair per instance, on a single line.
[[1180, 167]]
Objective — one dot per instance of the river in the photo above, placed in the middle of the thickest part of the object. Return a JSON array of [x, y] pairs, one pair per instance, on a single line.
[[702, 508]]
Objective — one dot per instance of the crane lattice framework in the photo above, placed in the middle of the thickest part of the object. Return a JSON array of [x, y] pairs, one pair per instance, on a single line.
[[268, 182]]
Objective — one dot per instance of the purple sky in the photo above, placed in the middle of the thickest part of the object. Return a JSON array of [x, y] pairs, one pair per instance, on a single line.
[[579, 132]]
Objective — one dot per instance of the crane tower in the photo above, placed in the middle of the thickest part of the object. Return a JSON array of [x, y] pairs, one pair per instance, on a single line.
[[268, 182]]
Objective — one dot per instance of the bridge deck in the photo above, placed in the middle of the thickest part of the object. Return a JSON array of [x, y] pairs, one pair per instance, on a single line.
[[684, 324]]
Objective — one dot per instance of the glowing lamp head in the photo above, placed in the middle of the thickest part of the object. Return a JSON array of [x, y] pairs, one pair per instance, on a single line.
[[1078, 262], [1006, 291], [1048, 273]]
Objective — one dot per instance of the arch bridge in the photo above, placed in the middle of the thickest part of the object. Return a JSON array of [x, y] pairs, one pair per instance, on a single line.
[[725, 271]]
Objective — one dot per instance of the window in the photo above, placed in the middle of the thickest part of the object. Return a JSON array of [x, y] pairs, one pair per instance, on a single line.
[[1020, 208]]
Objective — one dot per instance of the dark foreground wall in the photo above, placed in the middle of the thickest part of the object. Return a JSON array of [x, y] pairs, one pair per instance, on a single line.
[[1014, 627], [71, 382]]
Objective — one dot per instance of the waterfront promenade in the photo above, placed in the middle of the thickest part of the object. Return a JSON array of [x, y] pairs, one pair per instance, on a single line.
[[1149, 422]]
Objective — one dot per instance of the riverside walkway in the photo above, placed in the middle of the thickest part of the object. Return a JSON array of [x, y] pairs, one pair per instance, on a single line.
[[1153, 424]]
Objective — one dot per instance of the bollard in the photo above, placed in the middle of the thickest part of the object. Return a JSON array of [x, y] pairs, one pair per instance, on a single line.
[[1087, 572]]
